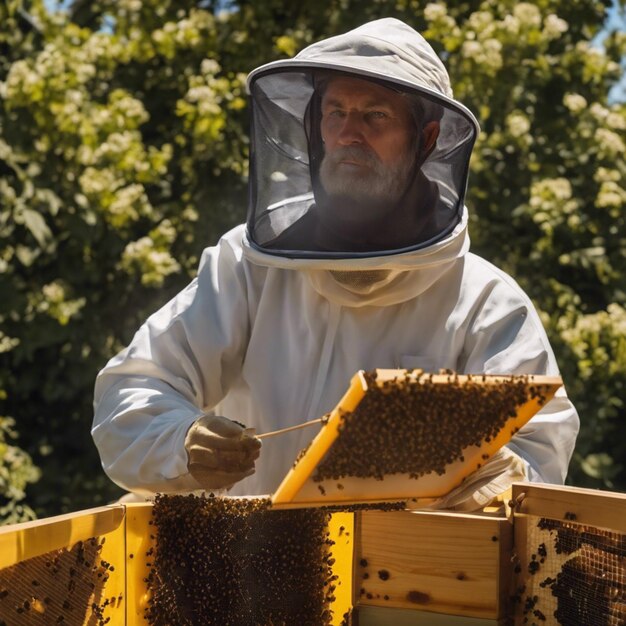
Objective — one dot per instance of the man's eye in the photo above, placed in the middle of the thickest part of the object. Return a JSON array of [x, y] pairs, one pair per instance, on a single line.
[[336, 113], [377, 115]]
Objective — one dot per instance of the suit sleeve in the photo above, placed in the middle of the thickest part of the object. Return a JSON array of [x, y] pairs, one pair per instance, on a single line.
[[505, 336], [179, 365]]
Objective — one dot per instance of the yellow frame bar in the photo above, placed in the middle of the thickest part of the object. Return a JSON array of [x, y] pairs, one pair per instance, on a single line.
[[19, 542]]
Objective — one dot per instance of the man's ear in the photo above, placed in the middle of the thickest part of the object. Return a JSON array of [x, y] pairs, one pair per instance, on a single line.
[[430, 132]]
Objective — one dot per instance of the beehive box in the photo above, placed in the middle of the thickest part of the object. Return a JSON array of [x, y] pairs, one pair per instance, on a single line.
[[395, 567], [95, 567], [440, 562]]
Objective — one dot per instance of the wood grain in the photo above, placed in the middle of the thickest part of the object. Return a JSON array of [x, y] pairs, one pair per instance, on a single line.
[[19, 542], [440, 562], [602, 509]]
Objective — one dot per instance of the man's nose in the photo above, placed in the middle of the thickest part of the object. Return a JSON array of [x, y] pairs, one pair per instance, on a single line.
[[351, 130]]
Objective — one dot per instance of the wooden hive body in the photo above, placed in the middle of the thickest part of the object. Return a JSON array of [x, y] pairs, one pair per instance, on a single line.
[[436, 568]]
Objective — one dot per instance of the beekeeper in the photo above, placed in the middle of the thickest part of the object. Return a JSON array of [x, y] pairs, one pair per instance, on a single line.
[[355, 255]]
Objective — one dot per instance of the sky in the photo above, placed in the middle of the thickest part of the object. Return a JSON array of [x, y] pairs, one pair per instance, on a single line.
[[616, 21]]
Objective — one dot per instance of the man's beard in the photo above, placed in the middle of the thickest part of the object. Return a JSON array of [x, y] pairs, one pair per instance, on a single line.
[[373, 184]]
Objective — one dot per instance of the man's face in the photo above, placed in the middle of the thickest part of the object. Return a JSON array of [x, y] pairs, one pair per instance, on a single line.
[[369, 141]]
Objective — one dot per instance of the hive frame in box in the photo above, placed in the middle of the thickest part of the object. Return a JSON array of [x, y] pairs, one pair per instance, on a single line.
[[127, 542], [299, 489], [458, 566], [24, 544], [563, 534]]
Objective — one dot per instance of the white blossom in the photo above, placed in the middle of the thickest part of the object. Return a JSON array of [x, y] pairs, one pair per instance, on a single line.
[[471, 49], [132, 6], [128, 204], [528, 14], [574, 102], [604, 174], [153, 264], [554, 26], [486, 53], [518, 124], [598, 111], [479, 20], [434, 11], [616, 120], [98, 180], [8, 343], [611, 142], [551, 200], [610, 195], [511, 24]]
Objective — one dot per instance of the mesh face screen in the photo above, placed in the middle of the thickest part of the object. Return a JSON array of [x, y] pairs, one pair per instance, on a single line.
[[61, 587], [234, 561], [292, 214], [571, 574]]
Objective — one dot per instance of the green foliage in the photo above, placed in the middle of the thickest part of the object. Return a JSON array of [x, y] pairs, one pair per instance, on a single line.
[[123, 152], [112, 142], [547, 176], [16, 472], [596, 365]]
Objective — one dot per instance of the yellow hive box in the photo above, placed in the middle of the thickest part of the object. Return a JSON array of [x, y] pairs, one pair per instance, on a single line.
[[106, 553], [396, 567]]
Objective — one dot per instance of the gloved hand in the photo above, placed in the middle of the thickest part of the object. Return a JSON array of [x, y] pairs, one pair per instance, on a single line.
[[484, 485], [219, 452]]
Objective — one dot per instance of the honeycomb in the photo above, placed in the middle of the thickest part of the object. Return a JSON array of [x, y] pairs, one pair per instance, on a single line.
[[234, 561], [64, 586], [408, 428], [575, 575]]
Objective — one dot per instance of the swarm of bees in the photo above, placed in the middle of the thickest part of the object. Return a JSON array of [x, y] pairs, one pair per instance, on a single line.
[[407, 428], [235, 561]]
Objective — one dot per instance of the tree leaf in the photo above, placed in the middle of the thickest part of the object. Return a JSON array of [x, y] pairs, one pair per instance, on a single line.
[[37, 226]]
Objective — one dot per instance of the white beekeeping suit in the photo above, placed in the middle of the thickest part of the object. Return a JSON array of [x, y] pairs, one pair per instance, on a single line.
[[284, 310]]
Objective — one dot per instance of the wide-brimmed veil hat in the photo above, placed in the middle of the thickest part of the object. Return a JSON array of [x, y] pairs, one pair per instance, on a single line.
[[286, 149]]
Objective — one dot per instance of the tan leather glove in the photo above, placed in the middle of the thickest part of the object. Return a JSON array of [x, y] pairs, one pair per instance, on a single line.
[[219, 452]]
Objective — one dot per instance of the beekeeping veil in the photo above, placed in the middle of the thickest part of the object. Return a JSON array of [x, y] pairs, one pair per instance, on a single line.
[[290, 214]]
